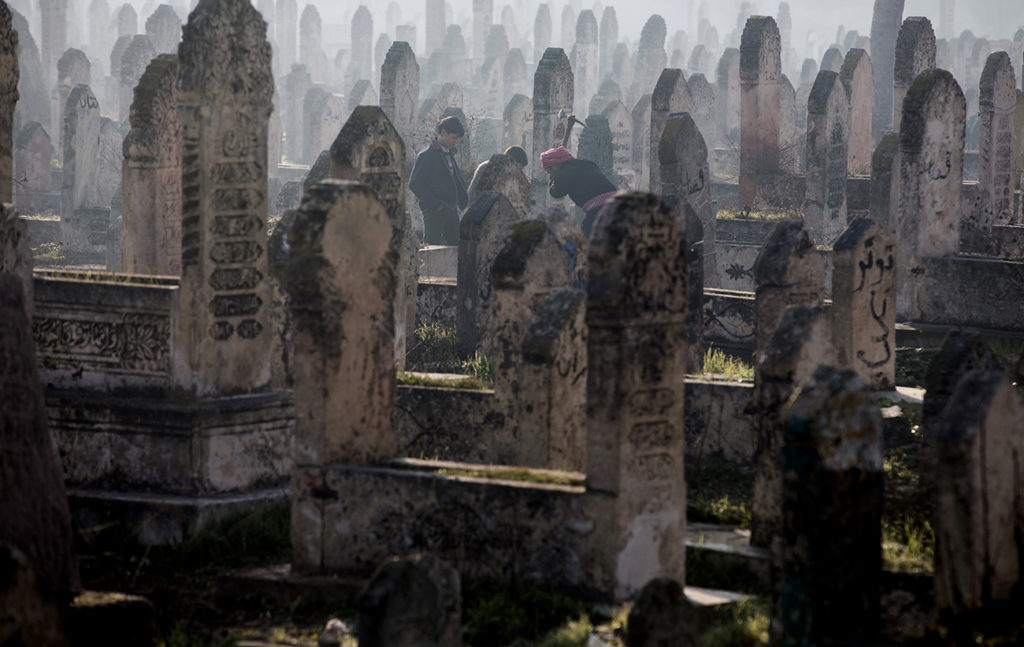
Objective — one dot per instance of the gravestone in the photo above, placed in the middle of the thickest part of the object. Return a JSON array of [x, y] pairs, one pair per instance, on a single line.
[[650, 55], [586, 61], [885, 27], [832, 60], [727, 96], [828, 129], [998, 101], [671, 95], [541, 31], [503, 175], [596, 144], [931, 172], [978, 518], [514, 80], [802, 341], [885, 183], [9, 79], [636, 350], [434, 26], [491, 84], [53, 35], [608, 92], [703, 107], [662, 615], [400, 88], [32, 172], [620, 125], [15, 253], [151, 185], [792, 127], [482, 234], [568, 27], [517, 123], [369, 150], [341, 281], [455, 61], [134, 62], [34, 507], [857, 78], [483, 18], [73, 68], [33, 94], [285, 34], [127, 21], [915, 53], [296, 84], [311, 47], [832, 511], [641, 115], [362, 45], [863, 303], [100, 37], [553, 89], [361, 94], [496, 43], [323, 116], [760, 69], [683, 157], [609, 38], [164, 29], [225, 97], [553, 383], [622, 69]]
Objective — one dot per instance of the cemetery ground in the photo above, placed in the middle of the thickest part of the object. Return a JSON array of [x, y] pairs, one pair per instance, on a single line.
[[198, 603]]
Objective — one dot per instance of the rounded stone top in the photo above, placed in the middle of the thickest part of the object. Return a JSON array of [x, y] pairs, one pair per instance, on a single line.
[[822, 92], [938, 91], [998, 82], [654, 33], [761, 49], [915, 49], [788, 242], [586, 28]]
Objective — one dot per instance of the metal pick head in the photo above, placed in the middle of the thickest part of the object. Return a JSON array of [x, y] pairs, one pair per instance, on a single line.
[[562, 114]]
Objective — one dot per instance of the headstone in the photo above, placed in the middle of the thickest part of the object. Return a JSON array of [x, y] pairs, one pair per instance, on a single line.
[[915, 53], [586, 59], [609, 38], [541, 31], [311, 46], [792, 126], [127, 21], [33, 93], [662, 615], [568, 27], [857, 78], [411, 602], [73, 68], [341, 281], [636, 350], [885, 183], [400, 88], [434, 25], [100, 37], [503, 175], [995, 149], [832, 60], [596, 144], [9, 78], [885, 28], [361, 94], [483, 18], [863, 303], [380, 50], [760, 69], [151, 186], [34, 507], [832, 511], [514, 78], [622, 69], [134, 62], [517, 123], [978, 517], [482, 234], [32, 172], [727, 96], [828, 129], [931, 172], [650, 55], [164, 29], [491, 82], [671, 95], [296, 84], [641, 115], [370, 150], [53, 20], [496, 42], [285, 33], [323, 116], [362, 44], [802, 341], [223, 110], [553, 89], [553, 383], [15, 253], [703, 107], [620, 125]]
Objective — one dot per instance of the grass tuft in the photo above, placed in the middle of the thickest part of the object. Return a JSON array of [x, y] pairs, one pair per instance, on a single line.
[[717, 362]]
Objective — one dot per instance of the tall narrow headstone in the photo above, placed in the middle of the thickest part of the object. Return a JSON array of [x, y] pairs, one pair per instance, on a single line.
[[857, 77], [704, 107], [553, 91], [127, 21], [286, 33], [517, 123], [164, 29], [641, 115], [362, 44], [134, 62], [311, 45], [998, 101], [568, 26], [435, 25], [915, 53], [832, 511], [400, 88], [885, 28], [828, 129], [151, 185], [586, 61], [885, 183], [483, 18], [760, 69], [296, 84], [541, 31], [636, 350], [73, 69], [671, 95], [620, 124], [792, 126], [33, 93], [514, 76], [100, 36], [864, 303], [931, 172], [650, 55], [727, 95], [323, 116], [9, 78], [225, 97], [53, 38], [609, 37]]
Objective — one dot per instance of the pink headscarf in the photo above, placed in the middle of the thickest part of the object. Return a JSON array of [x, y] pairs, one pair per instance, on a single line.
[[555, 156]]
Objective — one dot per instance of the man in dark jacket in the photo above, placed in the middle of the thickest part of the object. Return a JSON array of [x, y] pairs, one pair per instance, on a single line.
[[581, 180], [438, 185]]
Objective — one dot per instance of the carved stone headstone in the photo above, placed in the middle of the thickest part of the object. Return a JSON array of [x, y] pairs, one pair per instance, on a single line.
[[885, 27], [514, 76], [997, 102], [323, 116], [503, 175], [636, 350], [517, 123], [760, 69], [828, 129], [541, 31], [73, 68], [296, 84], [285, 33], [400, 88], [127, 20], [650, 55], [15, 253], [164, 29], [863, 302], [596, 144], [586, 60], [857, 77], [362, 44], [33, 93], [609, 38], [552, 91], [671, 95], [483, 17], [311, 50], [915, 53], [727, 95], [434, 26], [362, 94], [9, 78], [792, 126], [134, 62], [641, 115], [151, 186], [53, 39], [225, 91], [32, 173], [885, 183], [832, 511]]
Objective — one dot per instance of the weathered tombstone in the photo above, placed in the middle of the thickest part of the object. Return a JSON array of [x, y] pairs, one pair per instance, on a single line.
[[514, 78], [434, 26], [760, 69], [53, 38], [662, 615], [482, 234], [683, 157], [151, 185], [885, 27], [703, 107], [552, 92], [361, 94], [553, 383], [620, 124], [915, 53], [311, 46], [33, 94], [15, 253], [608, 92], [285, 33], [411, 602], [296, 84], [224, 322], [863, 303], [792, 127], [164, 29], [541, 31], [341, 281], [134, 62], [609, 38], [73, 69], [496, 42], [568, 27], [622, 69], [857, 78], [995, 147], [802, 341], [127, 21], [832, 511], [831, 60], [728, 95], [596, 144], [32, 173], [650, 55], [641, 115], [586, 59], [100, 38], [34, 507], [828, 128], [671, 95], [400, 88], [369, 150], [323, 115], [636, 350], [9, 78], [885, 183], [491, 82], [483, 18], [978, 516], [503, 175], [931, 172], [517, 123], [362, 44]]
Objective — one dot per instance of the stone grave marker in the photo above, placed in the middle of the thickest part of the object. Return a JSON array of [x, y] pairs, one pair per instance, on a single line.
[[400, 88], [53, 34], [127, 21], [517, 124], [703, 107], [885, 27], [32, 173], [885, 183], [33, 94], [434, 26], [491, 83], [361, 94], [727, 96], [662, 615], [622, 70], [503, 175], [134, 62], [857, 77], [650, 56], [16, 255], [609, 38], [641, 115], [73, 68], [100, 37], [915, 53], [362, 45], [323, 116], [285, 34], [164, 29], [608, 92], [311, 47], [514, 76], [760, 69], [596, 145], [553, 89], [671, 95], [483, 18], [541, 31], [9, 79], [828, 130], [296, 84], [620, 124], [792, 127], [568, 26], [586, 61], [998, 101]]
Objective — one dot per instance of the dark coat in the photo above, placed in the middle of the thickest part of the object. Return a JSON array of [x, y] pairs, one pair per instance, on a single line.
[[581, 180], [434, 187]]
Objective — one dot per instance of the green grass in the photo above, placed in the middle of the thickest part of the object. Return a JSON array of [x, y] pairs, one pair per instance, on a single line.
[[517, 474], [908, 544], [746, 624], [498, 613], [472, 383], [717, 362], [747, 214], [719, 492], [432, 350]]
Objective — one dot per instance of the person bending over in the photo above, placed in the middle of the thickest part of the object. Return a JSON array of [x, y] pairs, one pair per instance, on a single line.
[[516, 153], [580, 179], [438, 185]]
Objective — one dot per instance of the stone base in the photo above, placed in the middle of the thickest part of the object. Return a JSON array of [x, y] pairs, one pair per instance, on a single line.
[[439, 261], [280, 584], [160, 519]]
